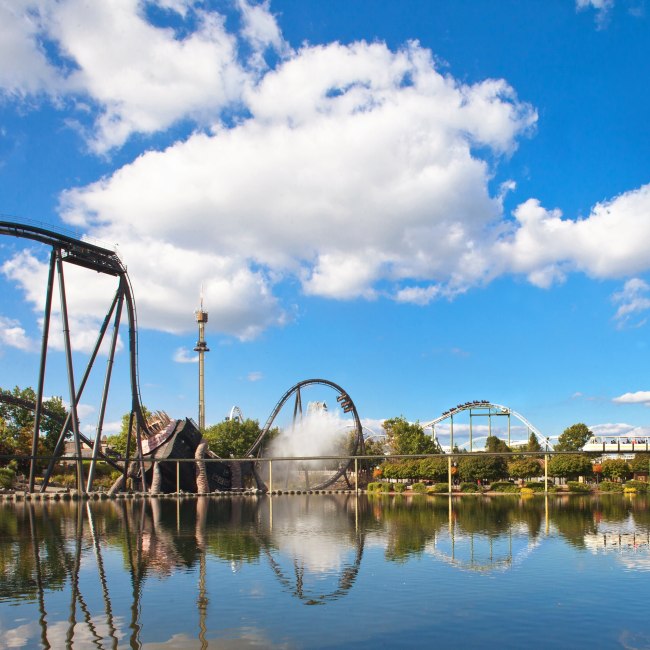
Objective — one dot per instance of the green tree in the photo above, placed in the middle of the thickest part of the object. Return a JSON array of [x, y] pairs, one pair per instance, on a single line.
[[616, 469], [17, 426], [570, 466], [232, 437], [574, 438], [533, 443], [496, 445], [406, 438], [479, 467], [640, 463], [118, 441], [524, 468]]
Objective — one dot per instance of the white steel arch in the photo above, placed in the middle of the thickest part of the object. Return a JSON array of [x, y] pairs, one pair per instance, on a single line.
[[485, 405]]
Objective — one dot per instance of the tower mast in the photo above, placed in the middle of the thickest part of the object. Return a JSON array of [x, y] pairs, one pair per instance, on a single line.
[[201, 348]]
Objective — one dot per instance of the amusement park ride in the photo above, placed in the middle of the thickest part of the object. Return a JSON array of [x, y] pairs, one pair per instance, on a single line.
[[154, 445]]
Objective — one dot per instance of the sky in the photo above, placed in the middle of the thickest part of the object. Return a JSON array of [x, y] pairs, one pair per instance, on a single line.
[[426, 203]]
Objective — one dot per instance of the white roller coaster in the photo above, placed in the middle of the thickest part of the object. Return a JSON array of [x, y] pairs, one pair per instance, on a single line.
[[489, 410]]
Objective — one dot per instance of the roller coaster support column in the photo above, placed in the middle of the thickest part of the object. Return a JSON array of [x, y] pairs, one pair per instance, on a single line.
[[509, 429], [449, 472], [82, 385], [451, 440], [356, 475], [107, 383], [471, 444], [41, 372], [68, 356]]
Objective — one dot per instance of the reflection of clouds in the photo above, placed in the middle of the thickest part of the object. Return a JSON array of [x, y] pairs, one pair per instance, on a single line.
[[19, 637], [245, 637]]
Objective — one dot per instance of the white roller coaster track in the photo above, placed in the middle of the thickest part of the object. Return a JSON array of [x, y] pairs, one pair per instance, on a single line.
[[504, 410]]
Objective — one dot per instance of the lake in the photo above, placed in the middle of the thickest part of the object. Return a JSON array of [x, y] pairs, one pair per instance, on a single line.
[[326, 571]]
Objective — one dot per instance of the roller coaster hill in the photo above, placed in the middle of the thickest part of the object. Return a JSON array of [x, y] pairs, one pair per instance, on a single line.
[[157, 446]]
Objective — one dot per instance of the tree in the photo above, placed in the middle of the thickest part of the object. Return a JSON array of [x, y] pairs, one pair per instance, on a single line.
[[118, 441], [574, 438], [406, 438], [616, 469], [17, 426], [232, 437], [524, 468], [570, 466], [533, 443], [496, 445], [479, 467], [640, 464]]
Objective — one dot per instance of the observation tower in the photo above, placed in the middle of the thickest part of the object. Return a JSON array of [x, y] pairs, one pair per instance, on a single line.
[[201, 348]]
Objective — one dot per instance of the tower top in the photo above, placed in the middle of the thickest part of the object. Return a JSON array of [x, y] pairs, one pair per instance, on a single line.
[[201, 315]]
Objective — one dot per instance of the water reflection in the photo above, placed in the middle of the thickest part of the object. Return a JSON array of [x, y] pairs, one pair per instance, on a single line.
[[91, 573]]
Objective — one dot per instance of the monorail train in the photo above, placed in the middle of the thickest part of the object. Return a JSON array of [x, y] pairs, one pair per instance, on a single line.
[[628, 443]]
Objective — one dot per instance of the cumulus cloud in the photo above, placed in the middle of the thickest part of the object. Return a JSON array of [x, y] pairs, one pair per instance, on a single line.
[[638, 397], [255, 375], [609, 243], [183, 355], [13, 335], [134, 75], [632, 300], [355, 164]]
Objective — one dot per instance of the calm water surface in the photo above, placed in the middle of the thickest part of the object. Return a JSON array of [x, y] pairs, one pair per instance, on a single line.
[[327, 571]]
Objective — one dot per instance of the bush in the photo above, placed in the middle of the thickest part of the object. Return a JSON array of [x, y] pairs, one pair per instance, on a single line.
[[504, 486], [419, 488], [399, 487], [469, 487], [610, 486], [438, 488], [379, 487], [641, 486], [537, 486], [576, 486], [7, 476]]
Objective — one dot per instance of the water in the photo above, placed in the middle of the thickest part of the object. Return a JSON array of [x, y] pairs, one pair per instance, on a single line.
[[326, 571]]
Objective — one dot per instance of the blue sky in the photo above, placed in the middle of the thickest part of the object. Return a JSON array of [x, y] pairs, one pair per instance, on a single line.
[[426, 203]]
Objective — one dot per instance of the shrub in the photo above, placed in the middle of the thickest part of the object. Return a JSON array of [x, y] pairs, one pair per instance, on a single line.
[[438, 488], [610, 486], [419, 488], [378, 487], [399, 487], [469, 487], [641, 486], [537, 486], [576, 486], [504, 486], [7, 476]]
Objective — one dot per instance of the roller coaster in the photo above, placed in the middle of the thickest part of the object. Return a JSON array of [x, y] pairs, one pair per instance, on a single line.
[[162, 439]]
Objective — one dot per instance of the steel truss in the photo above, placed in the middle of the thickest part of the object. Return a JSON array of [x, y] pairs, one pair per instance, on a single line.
[[102, 260]]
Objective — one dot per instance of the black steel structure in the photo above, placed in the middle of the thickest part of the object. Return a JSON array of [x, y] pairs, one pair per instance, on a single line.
[[346, 404], [101, 260]]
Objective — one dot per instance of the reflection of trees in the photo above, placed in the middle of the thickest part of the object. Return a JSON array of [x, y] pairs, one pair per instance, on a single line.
[[573, 517]]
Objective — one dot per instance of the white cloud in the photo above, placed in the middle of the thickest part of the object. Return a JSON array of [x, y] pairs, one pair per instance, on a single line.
[[632, 300], [183, 355], [356, 164], [639, 397], [136, 77], [88, 298], [13, 335], [609, 243], [619, 429], [255, 375], [602, 8]]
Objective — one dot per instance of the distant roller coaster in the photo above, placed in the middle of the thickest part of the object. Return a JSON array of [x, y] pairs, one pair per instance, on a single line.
[[483, 409]]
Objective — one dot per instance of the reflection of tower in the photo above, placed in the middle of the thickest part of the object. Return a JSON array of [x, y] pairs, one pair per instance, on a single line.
[[201, 348]]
